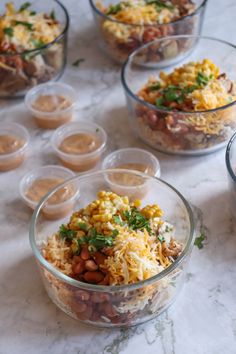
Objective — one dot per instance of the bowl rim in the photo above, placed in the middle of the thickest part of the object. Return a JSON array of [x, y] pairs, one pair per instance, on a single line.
[[66, 155], [107, 17], [47, 45], [149, 105], [22, 182], [36, 90], [227, 157], [111, 288], [26, 136]]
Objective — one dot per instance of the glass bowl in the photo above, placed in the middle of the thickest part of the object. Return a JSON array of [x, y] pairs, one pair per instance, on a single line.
[[79, 161], [123, 305], [230, 158], [119, 39], [151, 124], [12, 160], [32, 67], [63, 202], [51, 113]]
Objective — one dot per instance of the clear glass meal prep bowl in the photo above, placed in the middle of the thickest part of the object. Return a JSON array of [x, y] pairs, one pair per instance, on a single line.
[[119, 49], [116, 306], [149, 122], [40, 65], [230, 158]]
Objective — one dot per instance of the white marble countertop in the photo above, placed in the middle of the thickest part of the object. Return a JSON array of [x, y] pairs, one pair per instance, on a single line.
[[203, 320]]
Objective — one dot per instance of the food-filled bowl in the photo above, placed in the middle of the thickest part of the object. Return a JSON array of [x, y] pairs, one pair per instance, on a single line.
[[131, 159], [79, 145], [14, 142], [33, 44], [51, 104], [115, 262], [230, 158], [40, 181], [125, 26], [188, 108]]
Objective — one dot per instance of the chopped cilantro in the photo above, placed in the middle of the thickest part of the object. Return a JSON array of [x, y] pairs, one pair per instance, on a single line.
[[199, 240], [154, 87], [28, 25], [66, 233], [8, 31], [118, 220], [38, 43], [114, 9], [136, 220], [78, 62], [159, 4], [161, 238], [53, 15], [202, 80], [99, 241], [83, 226], [24, 6]]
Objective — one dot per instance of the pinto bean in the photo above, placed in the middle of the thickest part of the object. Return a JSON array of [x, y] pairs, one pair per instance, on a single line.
[[82, 295], [80, 306], [76, 259], [79, 268], [84, 254], [91, 265], [93, 277], [99, 258], [105, 281], [85, 315], [99, 298], [109, 310]]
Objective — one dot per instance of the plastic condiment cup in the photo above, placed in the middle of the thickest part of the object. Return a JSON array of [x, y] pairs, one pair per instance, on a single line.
[[136, 188], [12, 160], [51, 210], [51, 119], [84, 161]]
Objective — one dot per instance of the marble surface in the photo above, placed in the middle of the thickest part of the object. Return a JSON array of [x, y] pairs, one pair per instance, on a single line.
[[203, 320]]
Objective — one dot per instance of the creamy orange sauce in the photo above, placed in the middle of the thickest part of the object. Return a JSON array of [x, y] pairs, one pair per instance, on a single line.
[[51, 103], [40, 187], [80, 143], [130, 180], [10, 143]]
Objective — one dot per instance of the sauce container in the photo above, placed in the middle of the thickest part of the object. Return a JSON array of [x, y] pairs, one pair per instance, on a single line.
[[131, 159], [14, 141], [40, 181], [79, 145], [51, 104]]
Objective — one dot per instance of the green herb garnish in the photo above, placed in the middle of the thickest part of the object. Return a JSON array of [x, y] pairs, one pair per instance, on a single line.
[[53, 15], [114, 9], [28, 25], [136, 220], [83, 226], [99, 241], [38, 43], [24, 6], [199, 240], [159, 4], [154, 87], [8, 31], [78, 62], [159, 103], [32, 13], [118, 220], [202, 80], [66, 233], [161, 238]]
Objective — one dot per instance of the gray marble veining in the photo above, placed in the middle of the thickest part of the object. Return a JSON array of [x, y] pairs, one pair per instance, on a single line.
[[203, 320]]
